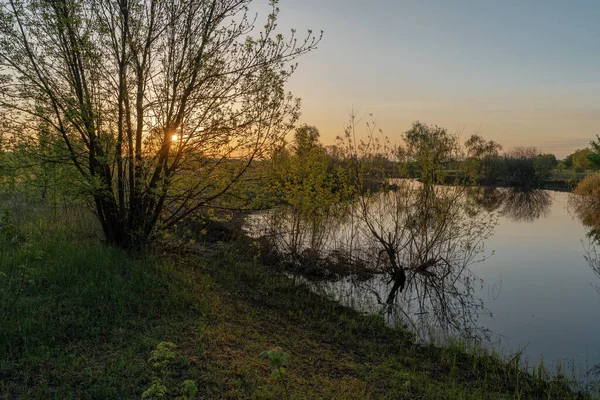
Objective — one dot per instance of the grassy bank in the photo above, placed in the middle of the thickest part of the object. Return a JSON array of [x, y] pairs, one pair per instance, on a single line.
[[81, 322]]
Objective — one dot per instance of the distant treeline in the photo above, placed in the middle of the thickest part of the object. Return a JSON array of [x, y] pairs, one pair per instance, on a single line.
[[483, 163], [477, 160], [522, 166]]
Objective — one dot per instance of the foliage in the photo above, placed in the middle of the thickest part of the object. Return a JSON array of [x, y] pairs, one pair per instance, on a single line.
[[160, 106], [306, 140], [594, 155], [482, 157], [432, 149], [156, 391], [421, 235], [524, 167], [543, 164], [585, 201], [161, 358], [162, 355], [278, 362], [578, 159], [310, 188], [518, 166]]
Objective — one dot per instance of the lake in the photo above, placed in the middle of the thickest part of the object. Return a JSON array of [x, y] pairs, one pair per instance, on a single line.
[[536, 285]]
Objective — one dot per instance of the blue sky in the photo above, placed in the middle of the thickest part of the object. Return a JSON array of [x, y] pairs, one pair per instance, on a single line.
[[519, 72]]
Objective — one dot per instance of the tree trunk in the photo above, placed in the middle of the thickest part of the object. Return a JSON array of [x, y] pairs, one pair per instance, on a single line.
[[399, 281]]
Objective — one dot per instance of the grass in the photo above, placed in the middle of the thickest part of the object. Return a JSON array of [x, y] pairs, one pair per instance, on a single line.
[[568, 175], [87, 317]]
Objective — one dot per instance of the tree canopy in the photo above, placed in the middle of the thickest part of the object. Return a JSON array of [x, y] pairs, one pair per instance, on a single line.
[[160, 105], [594, 155]]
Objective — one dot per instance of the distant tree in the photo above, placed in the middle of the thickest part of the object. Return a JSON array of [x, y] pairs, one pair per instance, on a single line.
[[161, 106], [523, 153], [543, 164], [478, 147], [306, 140], [568, 161], [518, 166], [594, 154], [579, 159], [482, 157], [431, 148], [526, 167]]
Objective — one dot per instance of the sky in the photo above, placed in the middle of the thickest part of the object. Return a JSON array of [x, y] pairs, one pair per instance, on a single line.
[[522, 73]]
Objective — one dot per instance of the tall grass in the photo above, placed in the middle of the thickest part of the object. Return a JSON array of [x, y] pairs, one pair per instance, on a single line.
[[80, 318]]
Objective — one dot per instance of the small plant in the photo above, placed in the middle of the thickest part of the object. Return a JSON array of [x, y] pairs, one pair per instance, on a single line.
[[278, 362], [160, 358], [156, 391], [162, 355]]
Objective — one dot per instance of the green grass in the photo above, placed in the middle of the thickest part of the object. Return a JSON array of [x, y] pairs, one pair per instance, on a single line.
[[88, 317], [565, 175]]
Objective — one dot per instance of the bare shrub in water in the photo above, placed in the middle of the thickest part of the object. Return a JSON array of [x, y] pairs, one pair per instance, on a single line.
[[425, 236]]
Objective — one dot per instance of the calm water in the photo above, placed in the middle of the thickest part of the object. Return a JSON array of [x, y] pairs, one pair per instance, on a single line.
[[539, 287]]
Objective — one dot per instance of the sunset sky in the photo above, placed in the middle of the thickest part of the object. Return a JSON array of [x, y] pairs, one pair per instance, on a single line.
[[523, 73]]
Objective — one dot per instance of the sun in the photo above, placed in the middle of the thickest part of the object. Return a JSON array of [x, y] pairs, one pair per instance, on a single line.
[[174, 138]]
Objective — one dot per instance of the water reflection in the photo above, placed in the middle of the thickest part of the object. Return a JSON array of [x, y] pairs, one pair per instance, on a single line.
[[410, 250], [429, 237], [434, 309], [586, 207], [417, 244], [526, 205], [519, 205]]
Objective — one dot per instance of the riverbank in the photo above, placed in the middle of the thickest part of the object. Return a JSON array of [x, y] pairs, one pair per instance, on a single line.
[[558, 180], [81, 321]]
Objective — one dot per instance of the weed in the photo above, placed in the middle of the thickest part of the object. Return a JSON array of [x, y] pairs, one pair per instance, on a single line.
[[161, 357], [278, 362]]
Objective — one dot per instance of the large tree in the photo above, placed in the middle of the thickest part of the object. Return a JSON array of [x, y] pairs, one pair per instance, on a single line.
[[161, 105]]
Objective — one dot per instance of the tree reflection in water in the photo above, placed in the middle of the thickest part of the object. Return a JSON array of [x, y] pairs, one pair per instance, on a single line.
[[526, 205], [585, 205], [417, 244], [433, 235], [423, 239], [519, 205]]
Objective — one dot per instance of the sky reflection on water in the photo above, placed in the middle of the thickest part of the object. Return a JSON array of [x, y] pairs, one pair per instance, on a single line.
[[539, 287]]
